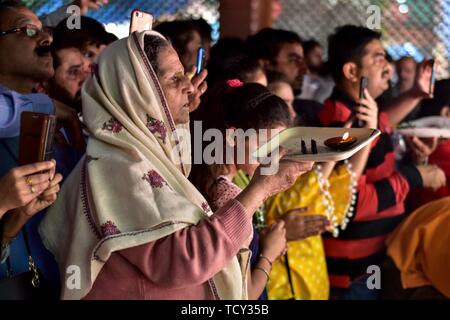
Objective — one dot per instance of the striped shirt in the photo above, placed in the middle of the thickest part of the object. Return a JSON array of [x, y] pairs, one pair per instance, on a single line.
[[381, 192]]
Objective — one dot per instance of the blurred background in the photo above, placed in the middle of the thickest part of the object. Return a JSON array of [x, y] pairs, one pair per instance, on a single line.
[[417, 28]]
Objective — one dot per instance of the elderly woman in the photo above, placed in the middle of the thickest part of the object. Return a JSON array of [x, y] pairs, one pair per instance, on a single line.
[[128, 217]]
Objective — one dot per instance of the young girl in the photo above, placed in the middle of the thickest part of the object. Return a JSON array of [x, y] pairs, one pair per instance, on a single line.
[[327, 190], [232, 106]]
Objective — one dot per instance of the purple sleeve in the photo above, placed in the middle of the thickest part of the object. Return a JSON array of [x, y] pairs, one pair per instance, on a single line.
[[193, 255]]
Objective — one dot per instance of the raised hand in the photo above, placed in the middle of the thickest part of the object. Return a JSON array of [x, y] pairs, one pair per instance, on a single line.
[[23, 184], [301, 226], [200, 86]]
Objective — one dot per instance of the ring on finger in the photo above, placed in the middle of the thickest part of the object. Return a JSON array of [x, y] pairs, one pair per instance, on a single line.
[[29, 181]]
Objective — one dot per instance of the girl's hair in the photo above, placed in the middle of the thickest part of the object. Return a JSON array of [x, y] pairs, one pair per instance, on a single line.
[[229, 60], [249, 106]]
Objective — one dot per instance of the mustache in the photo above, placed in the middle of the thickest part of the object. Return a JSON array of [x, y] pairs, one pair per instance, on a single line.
[[385, 72], [43, 50]]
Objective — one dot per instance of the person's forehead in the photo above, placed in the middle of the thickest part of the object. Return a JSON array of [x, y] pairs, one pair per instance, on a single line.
[[375, 47], [317, 50], [70, 55], [18, 17], [289, 48], [407, 63], [169, 61]]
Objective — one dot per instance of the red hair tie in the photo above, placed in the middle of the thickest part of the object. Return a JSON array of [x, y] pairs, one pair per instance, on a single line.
[[235, 83]]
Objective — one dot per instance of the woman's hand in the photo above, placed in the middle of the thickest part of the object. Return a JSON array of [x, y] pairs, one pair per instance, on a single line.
[[273, 241], [301, 226], [263, 186], [200, 86], [23, 184], [285, 176]]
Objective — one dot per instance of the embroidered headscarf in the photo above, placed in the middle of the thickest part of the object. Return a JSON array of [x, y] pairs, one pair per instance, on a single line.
[[131, 187]]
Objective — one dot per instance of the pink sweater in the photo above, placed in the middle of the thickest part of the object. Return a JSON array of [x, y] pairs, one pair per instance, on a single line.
[[179, 265]]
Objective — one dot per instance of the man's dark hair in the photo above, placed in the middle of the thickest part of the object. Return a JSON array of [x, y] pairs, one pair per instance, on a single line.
[[267, 43], [309, 45], [204, 28], [180, 33], [64, 39], [276, 77], [92, 32], [348, 44], [6, 6], [405, 58]]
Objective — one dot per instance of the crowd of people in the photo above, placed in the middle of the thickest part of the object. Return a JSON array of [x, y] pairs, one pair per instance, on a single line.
[[124, 211]]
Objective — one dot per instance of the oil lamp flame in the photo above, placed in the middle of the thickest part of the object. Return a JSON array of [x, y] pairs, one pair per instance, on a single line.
[[345, 136]]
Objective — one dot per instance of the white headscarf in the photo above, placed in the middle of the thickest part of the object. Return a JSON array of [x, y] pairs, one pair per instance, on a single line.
[[131, 187]]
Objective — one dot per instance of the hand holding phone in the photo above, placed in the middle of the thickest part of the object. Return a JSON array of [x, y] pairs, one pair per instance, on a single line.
[[36, 137], [363, 84], [140, 21]]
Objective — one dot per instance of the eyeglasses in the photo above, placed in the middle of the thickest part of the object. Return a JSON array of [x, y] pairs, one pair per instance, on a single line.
[[29, 30]]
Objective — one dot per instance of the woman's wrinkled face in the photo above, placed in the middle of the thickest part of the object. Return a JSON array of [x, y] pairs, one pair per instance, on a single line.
[[176, 86]]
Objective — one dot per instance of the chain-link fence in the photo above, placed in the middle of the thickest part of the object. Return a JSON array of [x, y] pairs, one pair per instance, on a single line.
[[116, 15], [419, 28]]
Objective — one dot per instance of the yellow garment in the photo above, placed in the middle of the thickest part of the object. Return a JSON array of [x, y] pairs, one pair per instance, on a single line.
[[342, 187], [419, 247], [307, 257]]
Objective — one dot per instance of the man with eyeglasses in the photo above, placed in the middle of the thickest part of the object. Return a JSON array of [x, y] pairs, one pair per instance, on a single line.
[[281, 51], [26, 61]]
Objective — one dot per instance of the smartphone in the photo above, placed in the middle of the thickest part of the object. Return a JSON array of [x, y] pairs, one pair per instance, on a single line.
[[433, 77], [36, 137], [140, 21], [201, 54], [363, 84]]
